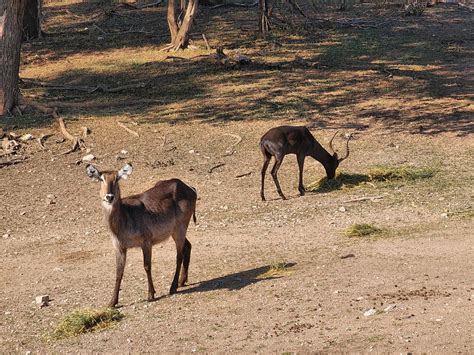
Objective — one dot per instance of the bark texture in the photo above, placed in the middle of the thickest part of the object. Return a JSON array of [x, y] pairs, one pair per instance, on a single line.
[[180, 30], [11, 19]]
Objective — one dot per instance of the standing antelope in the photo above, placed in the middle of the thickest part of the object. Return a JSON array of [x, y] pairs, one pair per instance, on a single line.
[[142, 220], [283, 140]]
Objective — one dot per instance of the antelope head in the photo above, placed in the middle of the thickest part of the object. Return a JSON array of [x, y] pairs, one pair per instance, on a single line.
[[109, 182]]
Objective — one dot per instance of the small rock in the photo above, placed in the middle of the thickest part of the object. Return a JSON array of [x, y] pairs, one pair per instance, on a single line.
[[389, 308], [88, 158], [6, 236], [58, 269], [42, 301], [191, 151], [342, 209], [123, 151], [7, 313], [50, 199], [26, 137], [444, 215], [360, 298], [370, 312]]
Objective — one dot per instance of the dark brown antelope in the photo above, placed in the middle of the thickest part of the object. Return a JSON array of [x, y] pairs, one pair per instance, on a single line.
[[283, 140], [142, 220]]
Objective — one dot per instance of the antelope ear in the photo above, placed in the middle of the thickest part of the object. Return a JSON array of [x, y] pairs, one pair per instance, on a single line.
[[125, 171], [92, 172]]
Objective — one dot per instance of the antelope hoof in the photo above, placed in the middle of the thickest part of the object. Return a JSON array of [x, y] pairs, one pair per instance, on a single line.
[[112, 304], [151, 296], [302, 192], [283, 197], [173, 290]]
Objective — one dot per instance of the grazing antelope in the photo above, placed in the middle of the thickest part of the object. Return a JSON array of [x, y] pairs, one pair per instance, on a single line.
[[142, 220], [283, 140]]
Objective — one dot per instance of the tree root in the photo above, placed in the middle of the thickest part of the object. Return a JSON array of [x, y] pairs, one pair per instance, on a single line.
[[77, 143]]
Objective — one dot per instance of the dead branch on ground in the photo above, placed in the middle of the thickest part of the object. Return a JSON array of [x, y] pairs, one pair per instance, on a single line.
[[85, 132], [42, 139], [242, 175], [208, 47], [128, 6], [120, 124], [77, 143], [53, 111], [237, 4], [230, 150], [12, 162], [215, 167], [365, 198], [88, 89], [131, 30]]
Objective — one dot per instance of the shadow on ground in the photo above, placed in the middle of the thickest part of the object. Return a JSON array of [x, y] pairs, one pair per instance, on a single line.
[[394, 74], [236, 281]]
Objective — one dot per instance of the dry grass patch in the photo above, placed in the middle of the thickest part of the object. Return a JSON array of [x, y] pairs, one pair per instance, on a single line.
[[345, 180], [276, 269], [341, 181], [407, 173], [467, 212], [85, 321]]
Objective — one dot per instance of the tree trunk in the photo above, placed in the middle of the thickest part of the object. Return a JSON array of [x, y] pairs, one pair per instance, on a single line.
[[180, 33], [31, 20], [11, 19], [263, 17], [172, 19]]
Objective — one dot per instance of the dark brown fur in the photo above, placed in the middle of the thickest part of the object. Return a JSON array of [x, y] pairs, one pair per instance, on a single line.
[[283, 140], [142, 220]]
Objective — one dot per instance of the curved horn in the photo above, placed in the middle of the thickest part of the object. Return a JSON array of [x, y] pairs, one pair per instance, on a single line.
[[347, 148], [330, 142]]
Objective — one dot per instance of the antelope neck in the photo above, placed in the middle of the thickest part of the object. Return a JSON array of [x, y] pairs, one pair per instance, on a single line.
[[113, 212], [320, 154]]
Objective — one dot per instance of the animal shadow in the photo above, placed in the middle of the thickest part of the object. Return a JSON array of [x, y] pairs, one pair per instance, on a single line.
[[237, 280], [341, 180]]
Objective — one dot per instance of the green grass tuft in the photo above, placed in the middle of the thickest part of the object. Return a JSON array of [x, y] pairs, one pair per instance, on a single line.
[[86, 320], [362, 230]]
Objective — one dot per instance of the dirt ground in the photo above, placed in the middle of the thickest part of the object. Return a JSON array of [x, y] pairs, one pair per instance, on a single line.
[[402, 86]]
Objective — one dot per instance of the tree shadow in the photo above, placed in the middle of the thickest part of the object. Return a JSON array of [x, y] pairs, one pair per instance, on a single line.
[[235, 281], [350, 68]]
